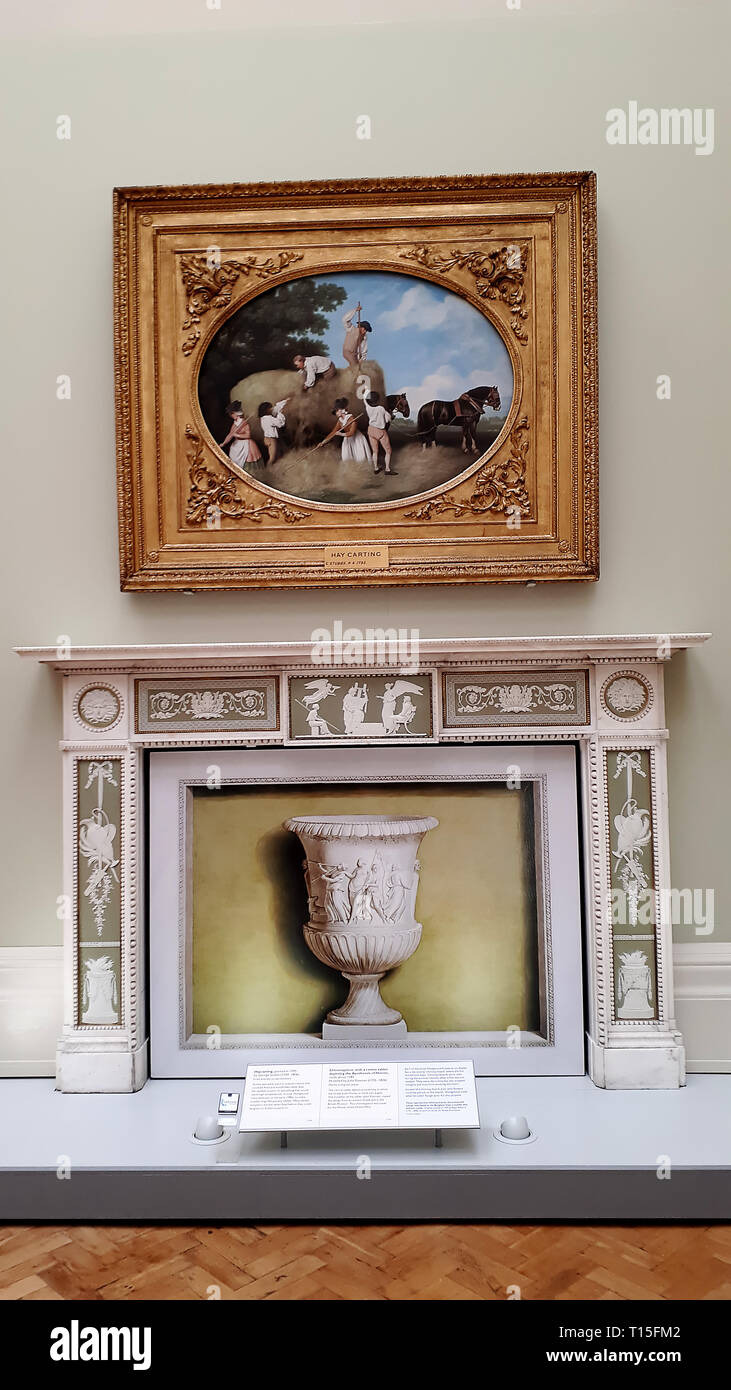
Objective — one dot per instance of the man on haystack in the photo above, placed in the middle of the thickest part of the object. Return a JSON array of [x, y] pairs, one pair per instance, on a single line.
[[314, 369]]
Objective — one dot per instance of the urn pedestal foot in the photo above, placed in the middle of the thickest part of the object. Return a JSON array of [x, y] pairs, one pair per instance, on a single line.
[[364, 1006]]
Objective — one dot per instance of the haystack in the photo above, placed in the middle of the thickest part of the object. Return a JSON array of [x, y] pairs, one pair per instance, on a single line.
[[308, 413]]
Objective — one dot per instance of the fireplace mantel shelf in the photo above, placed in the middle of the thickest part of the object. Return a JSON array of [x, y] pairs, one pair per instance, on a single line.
[[599, 647]]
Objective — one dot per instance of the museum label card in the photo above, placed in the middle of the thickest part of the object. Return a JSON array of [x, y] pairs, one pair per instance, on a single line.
[[442, 1094], [361, 1095], [281, 1098]]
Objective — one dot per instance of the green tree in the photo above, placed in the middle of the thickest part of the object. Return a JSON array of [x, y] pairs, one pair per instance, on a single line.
[[264, 334]]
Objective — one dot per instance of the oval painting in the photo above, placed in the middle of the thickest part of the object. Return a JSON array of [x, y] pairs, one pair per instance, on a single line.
[[356, 388]]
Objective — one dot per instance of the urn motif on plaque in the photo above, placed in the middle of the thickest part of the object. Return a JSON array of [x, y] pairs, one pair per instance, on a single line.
[[634, 986], [362, 876], [100, 995]]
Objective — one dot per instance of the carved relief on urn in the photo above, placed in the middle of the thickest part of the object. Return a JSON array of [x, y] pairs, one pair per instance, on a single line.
[[362, 875]]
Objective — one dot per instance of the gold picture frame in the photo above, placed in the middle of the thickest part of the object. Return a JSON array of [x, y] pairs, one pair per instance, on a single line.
[[509, 260]]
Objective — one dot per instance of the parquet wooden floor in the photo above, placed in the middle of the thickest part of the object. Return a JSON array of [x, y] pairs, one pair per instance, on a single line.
[[365, 1262]]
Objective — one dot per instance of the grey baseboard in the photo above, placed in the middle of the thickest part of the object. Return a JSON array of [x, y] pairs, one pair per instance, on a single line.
[[536, 1195]]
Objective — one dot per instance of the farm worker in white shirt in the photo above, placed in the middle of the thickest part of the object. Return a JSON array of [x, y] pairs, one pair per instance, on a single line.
[[314, 369], [355, 347], [244, 450], [271, 419], [355, 445], [378, 421]]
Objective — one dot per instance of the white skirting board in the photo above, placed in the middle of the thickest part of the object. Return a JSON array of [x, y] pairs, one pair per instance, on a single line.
[[31, 992], [31, 1009], [702, 971]]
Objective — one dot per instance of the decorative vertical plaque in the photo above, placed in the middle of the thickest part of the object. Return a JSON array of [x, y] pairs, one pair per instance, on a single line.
[[99, 893]]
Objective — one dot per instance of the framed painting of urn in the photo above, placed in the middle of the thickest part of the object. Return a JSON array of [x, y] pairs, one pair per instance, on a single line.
[[374, 382], [405, 901]]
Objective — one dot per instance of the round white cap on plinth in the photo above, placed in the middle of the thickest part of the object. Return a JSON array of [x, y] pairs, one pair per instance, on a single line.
[[515, 1127], [515, 1130], [208, 1130]]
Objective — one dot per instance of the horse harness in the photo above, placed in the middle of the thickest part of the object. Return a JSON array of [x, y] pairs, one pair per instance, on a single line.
[[458, 410], [471, 401]]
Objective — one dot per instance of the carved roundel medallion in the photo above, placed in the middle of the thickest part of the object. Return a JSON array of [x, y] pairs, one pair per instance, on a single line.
[[98, 706], [626, 695]]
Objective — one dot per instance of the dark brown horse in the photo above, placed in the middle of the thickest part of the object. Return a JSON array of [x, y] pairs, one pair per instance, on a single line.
[[466, 411], [394, 404], [398, 403]]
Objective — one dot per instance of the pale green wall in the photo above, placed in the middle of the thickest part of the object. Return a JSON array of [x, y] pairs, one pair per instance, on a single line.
[[517, 91]]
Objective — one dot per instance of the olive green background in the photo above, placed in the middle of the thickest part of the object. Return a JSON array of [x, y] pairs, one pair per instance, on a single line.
[[112, 805], [476, 966], [616, 797]]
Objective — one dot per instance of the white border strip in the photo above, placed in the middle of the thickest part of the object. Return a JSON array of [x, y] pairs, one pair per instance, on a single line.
[[31, 1009], [702, 971]]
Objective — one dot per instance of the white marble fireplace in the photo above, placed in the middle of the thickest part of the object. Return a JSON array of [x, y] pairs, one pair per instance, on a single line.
[[602, 693]]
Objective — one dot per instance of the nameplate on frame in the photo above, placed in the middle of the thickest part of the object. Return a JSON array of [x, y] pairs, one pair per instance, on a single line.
[[356, 557]]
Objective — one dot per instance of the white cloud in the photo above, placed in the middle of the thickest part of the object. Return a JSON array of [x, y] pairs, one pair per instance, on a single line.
[[463, 330], [443, 384], [418, 307]]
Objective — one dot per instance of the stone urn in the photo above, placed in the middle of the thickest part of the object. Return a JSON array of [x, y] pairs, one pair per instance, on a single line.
[[362, 874]]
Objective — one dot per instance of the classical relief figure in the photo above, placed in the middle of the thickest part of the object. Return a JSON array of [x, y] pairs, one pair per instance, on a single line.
[[336, 879], [362, 886], [398, 889], [355, 704], [394, 719]]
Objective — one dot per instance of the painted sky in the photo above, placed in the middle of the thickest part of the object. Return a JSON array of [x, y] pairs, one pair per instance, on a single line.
[[429, 342]]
